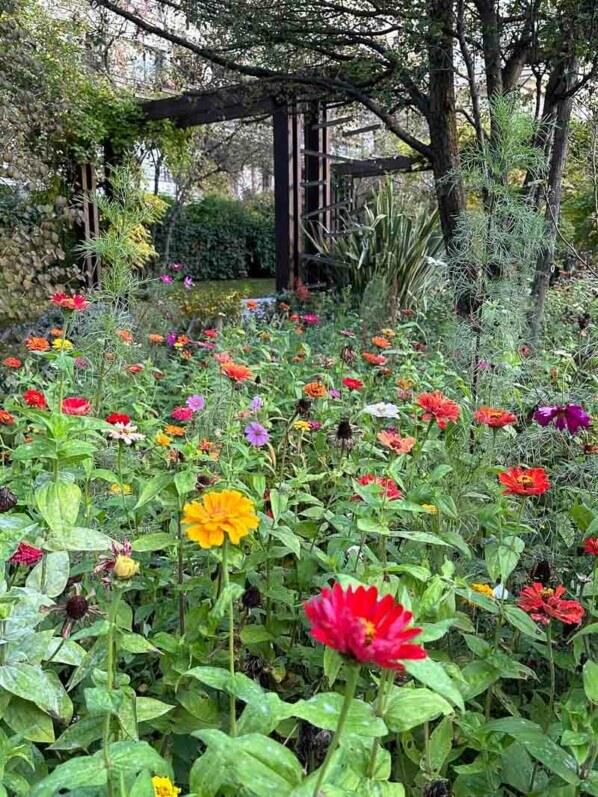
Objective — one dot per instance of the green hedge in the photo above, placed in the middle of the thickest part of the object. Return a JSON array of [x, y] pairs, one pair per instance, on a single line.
[[223, 238]]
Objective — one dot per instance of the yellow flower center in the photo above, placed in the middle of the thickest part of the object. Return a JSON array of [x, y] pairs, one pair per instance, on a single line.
[[547, 592], [370, 630], [525, 480]]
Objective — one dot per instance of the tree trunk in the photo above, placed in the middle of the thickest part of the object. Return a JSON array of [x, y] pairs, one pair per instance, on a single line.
[[566, 71], [490, 46], [442, 119]]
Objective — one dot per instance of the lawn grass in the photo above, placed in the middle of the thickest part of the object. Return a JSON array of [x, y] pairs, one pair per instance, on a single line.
[[248, 288]]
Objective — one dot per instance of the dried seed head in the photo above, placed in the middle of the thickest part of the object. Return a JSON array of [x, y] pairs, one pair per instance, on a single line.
[[76, 607], [7, 499]]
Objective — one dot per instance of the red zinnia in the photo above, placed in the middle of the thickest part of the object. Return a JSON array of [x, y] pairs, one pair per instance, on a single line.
[[352, 384], [210, 333], [439, 408], [136, 368], [76, 302], [236, 373], [363, 627], [12, 362], [6, 418], [76, 406], [494, 418], [35, 399], [519, 481], [389, 487], [26, 555], [542, 604], [591, 546], [118, 417]]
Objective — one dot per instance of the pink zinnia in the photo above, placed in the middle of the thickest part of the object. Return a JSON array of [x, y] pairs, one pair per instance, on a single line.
[[76, 406], [182, 413], [309, 318], [26, 555]]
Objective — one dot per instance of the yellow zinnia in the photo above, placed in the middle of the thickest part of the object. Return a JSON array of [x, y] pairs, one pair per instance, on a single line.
[[431, 509], [164, 787], [483, 589], [163, 439], [302, 426], [117, 490], [227, 512], [62, 343]]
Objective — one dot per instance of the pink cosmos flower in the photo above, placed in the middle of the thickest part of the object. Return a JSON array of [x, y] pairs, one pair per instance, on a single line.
[[569, 416], [256, 434]]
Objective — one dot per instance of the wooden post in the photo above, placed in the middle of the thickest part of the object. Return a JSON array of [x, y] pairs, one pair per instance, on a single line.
[[91, 221], [287, 198]]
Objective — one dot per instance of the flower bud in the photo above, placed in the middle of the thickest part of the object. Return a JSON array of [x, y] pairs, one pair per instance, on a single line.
[[125, 567]]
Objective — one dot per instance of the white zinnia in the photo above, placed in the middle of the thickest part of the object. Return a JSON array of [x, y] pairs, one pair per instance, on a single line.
[[382, 409], [125, 432]]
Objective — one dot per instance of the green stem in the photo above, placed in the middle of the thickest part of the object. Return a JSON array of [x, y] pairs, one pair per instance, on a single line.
[[231, 640], [110, 677], [350, 686], [383, 692], [62, 362], [181, 574], [552, 677]]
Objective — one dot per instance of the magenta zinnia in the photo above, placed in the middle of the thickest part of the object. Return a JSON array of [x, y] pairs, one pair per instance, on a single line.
[[364, 627]]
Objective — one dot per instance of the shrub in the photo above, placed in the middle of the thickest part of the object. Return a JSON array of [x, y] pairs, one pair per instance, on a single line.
[[222, 238]]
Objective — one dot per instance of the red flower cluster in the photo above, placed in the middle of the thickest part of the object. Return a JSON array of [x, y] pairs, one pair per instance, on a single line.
[[76, 406], [35, 399], [519, 481], [26, 555], [542, 604], [388, 486], [439, 408], [118, 417], [591, 546], [76, 302], [494, 418], [352, 384], [363, 627], [12, 362]]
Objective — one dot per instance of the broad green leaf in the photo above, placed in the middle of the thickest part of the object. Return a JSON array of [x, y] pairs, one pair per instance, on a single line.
[[25, 718], [78, 773], [81, 735], [135, 643], [58, 503], [254, 634], [432, 674], [590, 680], [55, 570], [13, 529], [323, 711], [42, 687], [441, 742], [153, 542], [538, 745], [154, 486], [100, 701], [208, 773], [148, 708], [407, 708], [522, 621], [143, 786], [79, 539], [185, 481]]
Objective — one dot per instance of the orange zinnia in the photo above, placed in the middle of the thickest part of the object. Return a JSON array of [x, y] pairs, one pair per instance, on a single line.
[[494, 418], [228, 512], [125, 335], [37, 344], [56, 332], [380, 342], [236, 373], [374, 359], [315, 390], [153, 338], [519, 481], [175, 431], [439, 408], [396, 443]]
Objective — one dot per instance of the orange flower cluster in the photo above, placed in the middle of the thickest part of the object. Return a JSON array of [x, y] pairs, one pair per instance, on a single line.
[[380, 342], [125, 336], [236, 373], [37, 344], [155, 339], [374, 359], [315, 390], [494, 418], [439, 408]]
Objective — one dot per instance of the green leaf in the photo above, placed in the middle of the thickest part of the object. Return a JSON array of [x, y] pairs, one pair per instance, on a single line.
[[78, 773], [81, 735], [407, 708], [13, 529], [185, 481], [148, 708], [501, 559], [58, 503], [590, 680], [208, 773], [538, 745], [154, 486], [232, 592], [333, 661], [56, 574], [441, 742], [79, 539], [259, 764], [323, 711], [432, 674], [153, 542], [254, 634], [143, 786], [522, 621], [26, 719], [43, 687], [100, 701], [288, 538], [135, 643]]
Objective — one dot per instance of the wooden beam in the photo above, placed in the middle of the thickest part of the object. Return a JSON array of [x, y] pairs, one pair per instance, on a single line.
[[287, 197], [377, 166]]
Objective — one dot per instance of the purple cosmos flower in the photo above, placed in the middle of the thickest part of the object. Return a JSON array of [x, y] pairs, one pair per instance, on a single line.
[[256, 404], [167, 278], [188, 283], [256, 434], [570, 416], [171, 338], [196, 403], [335, 394]]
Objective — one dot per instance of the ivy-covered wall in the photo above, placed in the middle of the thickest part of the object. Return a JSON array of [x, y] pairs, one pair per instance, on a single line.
[[222, 238]]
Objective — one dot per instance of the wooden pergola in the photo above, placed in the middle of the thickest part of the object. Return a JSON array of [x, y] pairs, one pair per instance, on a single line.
[[304, 167]]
